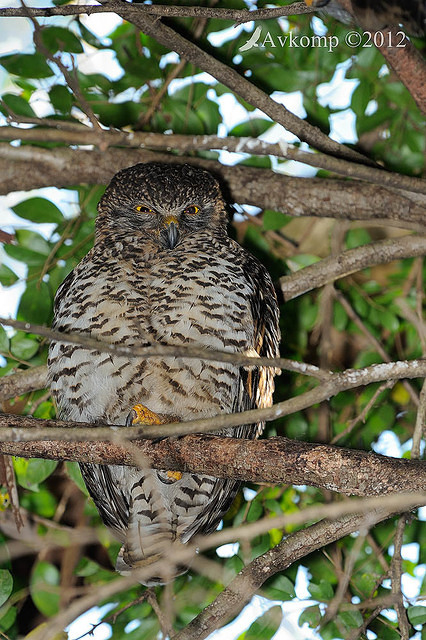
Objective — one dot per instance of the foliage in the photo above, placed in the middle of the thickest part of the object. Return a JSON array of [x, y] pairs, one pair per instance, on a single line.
[[50, 239]]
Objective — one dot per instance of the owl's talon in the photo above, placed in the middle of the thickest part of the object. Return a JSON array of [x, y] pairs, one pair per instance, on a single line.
[[142, 415]]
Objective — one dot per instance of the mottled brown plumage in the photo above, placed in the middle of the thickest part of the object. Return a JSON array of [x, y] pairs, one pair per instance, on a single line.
[[162, 270]]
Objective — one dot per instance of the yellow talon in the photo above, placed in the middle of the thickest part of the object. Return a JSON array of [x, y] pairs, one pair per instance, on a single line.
[[142, 415], [174, 475]]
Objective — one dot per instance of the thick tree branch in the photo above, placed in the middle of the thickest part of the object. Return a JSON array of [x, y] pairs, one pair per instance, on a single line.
[[187, 144], [24, 168], [408, 64], [275, 460], [335, 267], [23, 382], [240, 16]]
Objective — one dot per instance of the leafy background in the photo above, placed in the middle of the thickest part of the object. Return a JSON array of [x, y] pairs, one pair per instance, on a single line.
[[119, 75]]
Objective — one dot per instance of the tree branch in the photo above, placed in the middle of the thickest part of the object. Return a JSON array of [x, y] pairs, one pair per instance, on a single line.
[[240, 16], [21, 382], [26, 167], [407, 62], [275, 460], [160, 350], [186, 143], [237, 83], [335, 267], [250, 579]]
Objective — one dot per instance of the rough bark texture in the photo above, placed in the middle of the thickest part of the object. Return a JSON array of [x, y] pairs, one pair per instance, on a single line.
[[251, 578], [276, 460], [29, 167], [23, 382]]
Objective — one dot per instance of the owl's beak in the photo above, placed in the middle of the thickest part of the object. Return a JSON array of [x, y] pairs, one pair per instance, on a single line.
[[170, 233]]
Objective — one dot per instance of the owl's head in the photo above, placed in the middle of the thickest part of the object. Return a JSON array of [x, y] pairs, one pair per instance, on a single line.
[[165, 201]]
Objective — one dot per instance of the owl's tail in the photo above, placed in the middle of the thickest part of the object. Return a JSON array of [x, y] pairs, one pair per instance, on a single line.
[[152, 542]]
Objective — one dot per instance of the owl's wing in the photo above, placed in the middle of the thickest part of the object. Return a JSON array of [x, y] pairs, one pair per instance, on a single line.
[[256, 384], [254, 390]]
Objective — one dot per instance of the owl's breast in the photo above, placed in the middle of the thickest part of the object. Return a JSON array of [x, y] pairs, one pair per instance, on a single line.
[[179, 298]]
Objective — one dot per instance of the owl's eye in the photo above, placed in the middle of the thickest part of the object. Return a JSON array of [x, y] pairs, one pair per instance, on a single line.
[[192, 210], [142, 209]]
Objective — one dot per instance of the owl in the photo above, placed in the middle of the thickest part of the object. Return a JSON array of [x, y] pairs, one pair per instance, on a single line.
[[163, 271]]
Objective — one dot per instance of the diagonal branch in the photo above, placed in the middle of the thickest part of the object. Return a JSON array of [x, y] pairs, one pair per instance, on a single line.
[[234, 81], [161, 351], [250, 579], [350, 261]]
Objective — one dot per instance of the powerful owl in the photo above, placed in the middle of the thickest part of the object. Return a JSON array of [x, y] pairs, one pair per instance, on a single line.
[[163, 270]]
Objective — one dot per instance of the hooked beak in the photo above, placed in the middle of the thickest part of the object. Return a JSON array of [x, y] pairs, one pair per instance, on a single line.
[[170, 233]]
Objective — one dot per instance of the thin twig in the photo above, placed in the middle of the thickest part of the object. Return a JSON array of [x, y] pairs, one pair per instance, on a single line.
[[162, 351], [349, 379], [396, 574]]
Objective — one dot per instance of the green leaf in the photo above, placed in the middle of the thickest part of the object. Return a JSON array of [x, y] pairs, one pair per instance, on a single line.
[[266, 626], [61, 98], [351, 619], [6, 585], [45, 411], [38, 500], [18, 105], [44, 588], [33, 241], [251, 128], [74, 473], [27, 65], [322, 591], [86, 568], [35, 304], [357, 237], [4, 340], [310, 616], [60, 39], [8, 618], [274, 220], [29, 257], [38, 470], [417, 615], [340, 318], [255, 511], [361, 97], [281, 589], [7, 276], [38, 210], [23, 347], [117, 115]]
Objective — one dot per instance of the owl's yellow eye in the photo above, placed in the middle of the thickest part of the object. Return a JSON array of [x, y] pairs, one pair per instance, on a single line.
[[142, 209], [192, 210]]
